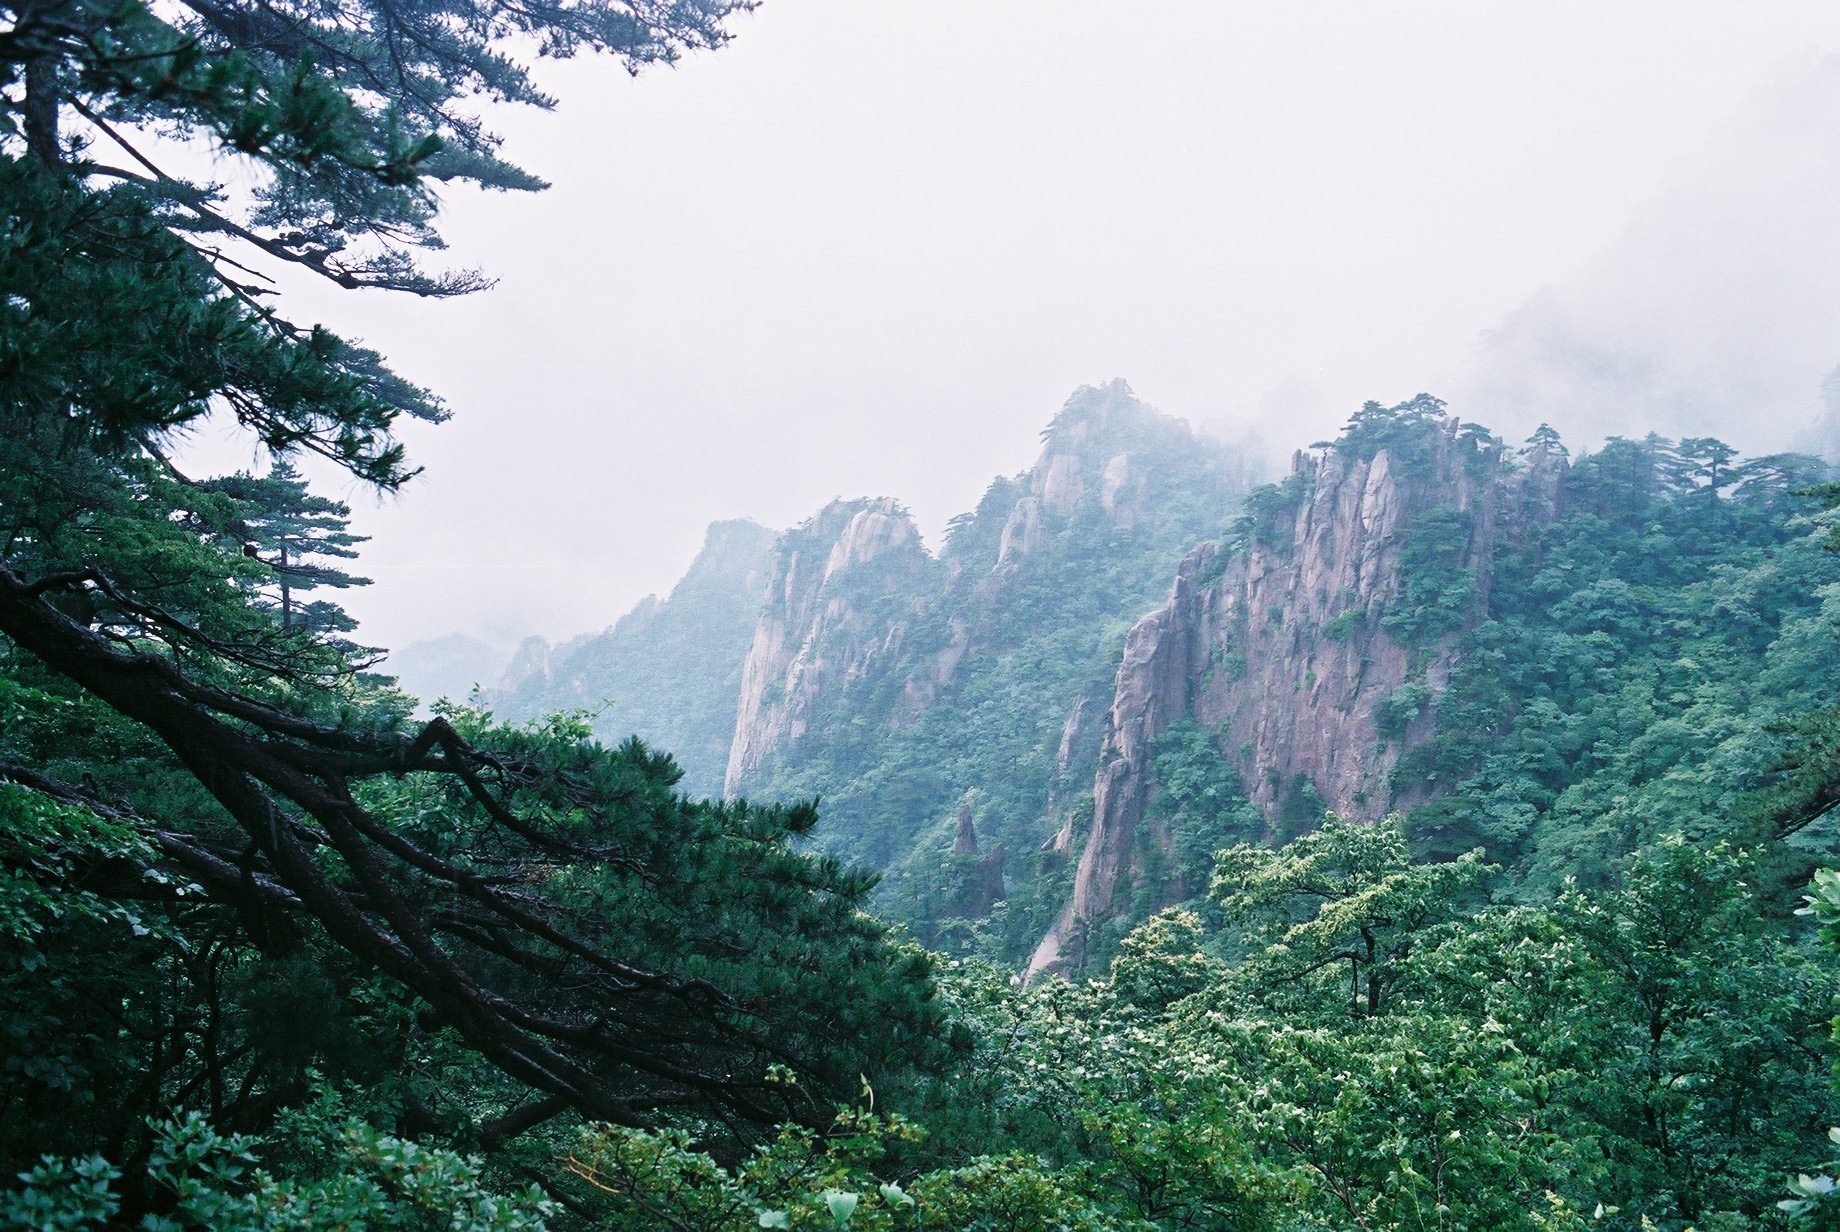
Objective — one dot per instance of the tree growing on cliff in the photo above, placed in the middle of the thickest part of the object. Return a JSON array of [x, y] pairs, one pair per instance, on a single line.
[[1401, 428]]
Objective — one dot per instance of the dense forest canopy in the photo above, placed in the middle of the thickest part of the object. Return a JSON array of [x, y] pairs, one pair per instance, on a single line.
[[277, 955]]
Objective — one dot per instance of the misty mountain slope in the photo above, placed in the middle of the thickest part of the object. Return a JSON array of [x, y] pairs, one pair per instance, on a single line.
[[669, 670], [900, 688], [1553, 660], [847, 587], [445, 667]]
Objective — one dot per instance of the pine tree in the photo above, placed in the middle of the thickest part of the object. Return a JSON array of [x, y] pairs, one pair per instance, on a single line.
[[549, 907], [1710, 461], [292, 531]]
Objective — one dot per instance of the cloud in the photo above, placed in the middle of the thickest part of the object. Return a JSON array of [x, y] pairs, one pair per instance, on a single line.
[[1717, 311]]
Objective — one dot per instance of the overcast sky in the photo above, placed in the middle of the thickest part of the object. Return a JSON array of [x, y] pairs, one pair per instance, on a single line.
[[871, 246]]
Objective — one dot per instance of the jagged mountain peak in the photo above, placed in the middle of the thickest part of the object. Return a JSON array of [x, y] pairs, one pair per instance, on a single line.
[[891, 683], [874, 527], [1089, 411], [843, 583], [1107, 459], [726, 545]]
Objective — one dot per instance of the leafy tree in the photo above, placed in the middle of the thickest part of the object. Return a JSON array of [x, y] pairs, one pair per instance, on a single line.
[[1163, 961], [1270, 512], [647, 1181], [207, 1181], [1408, 1121], [1701, 1024], [1405, 433], [1344, 907]]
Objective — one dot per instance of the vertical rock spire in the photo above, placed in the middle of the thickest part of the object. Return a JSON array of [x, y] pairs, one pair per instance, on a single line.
[[965, 842]]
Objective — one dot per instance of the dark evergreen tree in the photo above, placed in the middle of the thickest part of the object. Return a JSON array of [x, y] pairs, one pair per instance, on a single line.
[[1545, 439], [293, 531], [1710, 461], [203, 784]]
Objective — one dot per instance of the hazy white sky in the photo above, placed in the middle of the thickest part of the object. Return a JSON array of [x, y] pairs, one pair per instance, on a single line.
[[871, 246]]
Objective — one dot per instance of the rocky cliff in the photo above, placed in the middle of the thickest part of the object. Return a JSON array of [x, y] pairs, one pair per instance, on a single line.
[[845, 587], [1095, 458], [669, 670], [892, 684], [1315, 648]]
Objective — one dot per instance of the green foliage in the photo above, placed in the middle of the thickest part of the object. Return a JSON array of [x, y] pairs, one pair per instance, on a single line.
[[1438, 585], [1342, 907], [297, 530], [1270, 511], [1394, 715], [1403, 431], [1163, 961], [1637, 670], [1815, 1200], [1200, 797], [1702, 1024], [801, 1180], [1340, 627], [237, 874], [1408, 1123], [1646, 1055], [197, 1178]]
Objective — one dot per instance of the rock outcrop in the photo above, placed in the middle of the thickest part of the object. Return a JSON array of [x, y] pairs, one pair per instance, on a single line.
[[844, 589], [669, 670], [981, 887], [1104, 457], [529, 667], [1113, 477], [1316, 649]]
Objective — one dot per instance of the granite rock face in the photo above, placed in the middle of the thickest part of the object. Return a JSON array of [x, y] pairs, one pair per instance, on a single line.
[[982, 887], [844, 588], [858, 615], [1283, 648]]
